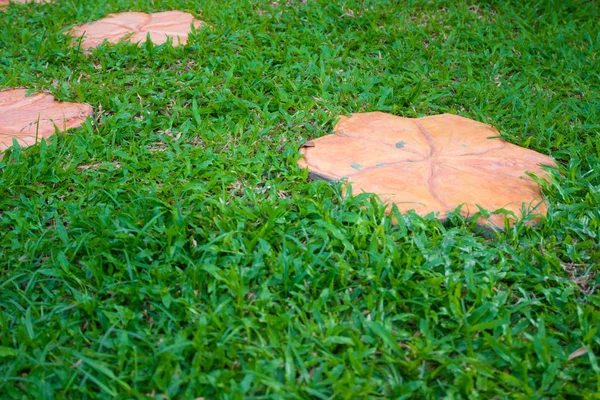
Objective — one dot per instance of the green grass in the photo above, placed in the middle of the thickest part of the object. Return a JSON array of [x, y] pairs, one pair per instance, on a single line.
[[170, 248]]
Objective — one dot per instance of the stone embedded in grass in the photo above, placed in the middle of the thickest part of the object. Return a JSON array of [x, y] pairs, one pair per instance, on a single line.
[[430, 164], [4, 3], [28, 119], [136, 27]]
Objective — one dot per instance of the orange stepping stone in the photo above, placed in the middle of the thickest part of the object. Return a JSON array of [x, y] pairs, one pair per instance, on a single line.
[[31, 118], [136, 27], [4, 3], [430, 164]]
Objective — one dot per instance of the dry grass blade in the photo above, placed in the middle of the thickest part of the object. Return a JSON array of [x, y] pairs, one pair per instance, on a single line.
[[578, 353]]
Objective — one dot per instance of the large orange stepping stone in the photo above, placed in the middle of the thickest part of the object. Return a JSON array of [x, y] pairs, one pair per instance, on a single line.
[[430, 164], [31, 118], [136, 27]]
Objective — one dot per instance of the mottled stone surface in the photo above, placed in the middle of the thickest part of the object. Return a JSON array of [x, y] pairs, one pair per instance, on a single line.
[[30, 118]]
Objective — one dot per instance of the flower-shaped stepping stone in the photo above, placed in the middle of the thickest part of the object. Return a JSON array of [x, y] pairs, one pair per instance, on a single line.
[[31, 118], [136, 27], [430, 164]]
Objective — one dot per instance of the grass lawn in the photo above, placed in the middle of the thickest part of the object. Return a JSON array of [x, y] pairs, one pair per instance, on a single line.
[[171, 248]]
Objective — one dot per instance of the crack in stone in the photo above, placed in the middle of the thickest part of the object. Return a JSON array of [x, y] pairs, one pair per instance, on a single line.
[[431, 186], [432, 165], [428, 138], [480, 153]]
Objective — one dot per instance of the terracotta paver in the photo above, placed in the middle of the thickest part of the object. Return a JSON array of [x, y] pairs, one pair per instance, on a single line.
[[4, 3], [429, 164], [136, 27], [31, 118]]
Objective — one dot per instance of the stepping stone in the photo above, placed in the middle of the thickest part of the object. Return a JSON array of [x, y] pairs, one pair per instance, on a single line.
[[429, 164], [26, 118], [4, 3], [136, 27]]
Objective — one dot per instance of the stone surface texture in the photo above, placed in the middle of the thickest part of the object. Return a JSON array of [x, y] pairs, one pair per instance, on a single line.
[[26, 118], [136, 27], [430, 164]]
